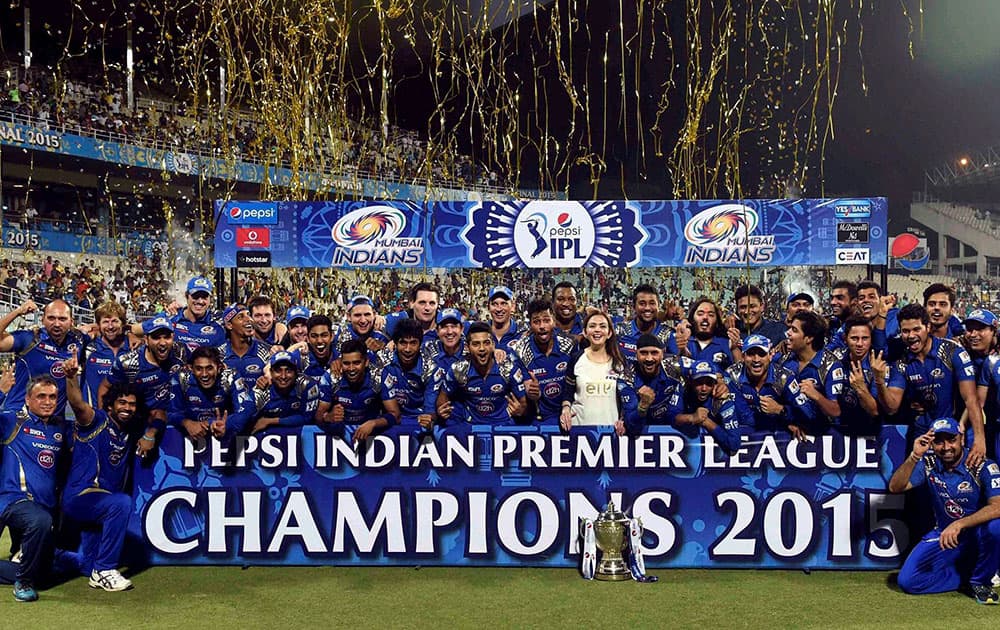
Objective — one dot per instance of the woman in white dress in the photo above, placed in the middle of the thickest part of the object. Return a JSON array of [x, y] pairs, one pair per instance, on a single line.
[[598, 389]]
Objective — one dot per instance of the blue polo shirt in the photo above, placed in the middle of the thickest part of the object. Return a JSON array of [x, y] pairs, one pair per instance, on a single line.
[[101, 457], [293, 408], [407, 387], [151, 379], [853, 419], [956, 493], [669, 391], [97, 359], [360, 401], [189, 401], [37, 355], [549, 370], [485, 397], [934, 381], [779, 384], [206, 331], [728, 429], [628, 335], [250, 366], [716, 351], [512, 334], [30, 459]]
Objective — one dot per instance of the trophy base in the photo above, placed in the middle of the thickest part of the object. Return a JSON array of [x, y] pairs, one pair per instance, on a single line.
[[613, 572]]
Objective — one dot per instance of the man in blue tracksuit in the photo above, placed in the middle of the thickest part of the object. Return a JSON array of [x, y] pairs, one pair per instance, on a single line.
[[95, 495], [964, 547], [35, 440]]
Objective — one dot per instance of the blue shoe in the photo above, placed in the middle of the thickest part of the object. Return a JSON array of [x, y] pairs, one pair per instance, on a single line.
[[985, 594], [25, 592]]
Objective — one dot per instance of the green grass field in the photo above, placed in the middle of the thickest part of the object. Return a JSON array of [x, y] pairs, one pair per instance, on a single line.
[[376, 597]]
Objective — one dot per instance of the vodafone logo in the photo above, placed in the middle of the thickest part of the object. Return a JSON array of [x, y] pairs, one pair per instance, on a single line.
[[253, 237]]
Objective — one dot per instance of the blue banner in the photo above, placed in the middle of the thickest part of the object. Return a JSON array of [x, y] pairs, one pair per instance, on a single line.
[[513, 496], [46, 240], [545, 234], [182, 163]]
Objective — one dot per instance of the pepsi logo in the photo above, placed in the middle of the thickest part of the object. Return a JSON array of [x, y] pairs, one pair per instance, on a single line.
[[564, 219], [46, 458], [235, 212]]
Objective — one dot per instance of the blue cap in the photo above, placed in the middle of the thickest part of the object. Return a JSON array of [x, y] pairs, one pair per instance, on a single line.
[[704, 369], [946, 425], [160, 322], [359, 300], [983, 316], [502, 292], [231, 312], [283, 356], [450, 314], [802, 295], [757, 341], [297, 312], [199, 284]]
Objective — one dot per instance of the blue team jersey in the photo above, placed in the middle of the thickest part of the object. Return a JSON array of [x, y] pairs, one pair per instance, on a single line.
[[956, 493], [97, 359], [933, 382], [407, 387], [360, 400], [513, 333], [101, 457], [314, 366], [716, 351], [207, 331], [779, 384], [293, 408], [628, 336], [347, 333], [576, 328], [32, 449], [668, 385], [548, 369], [39, 355], [392, 320], [484, 397], [728, 431], [853, 419], [151, 379], [824, 369], [188, 401], [250, 366]]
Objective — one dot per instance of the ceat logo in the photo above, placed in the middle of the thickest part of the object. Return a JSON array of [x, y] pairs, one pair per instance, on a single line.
[[854, 256], [253, 237]]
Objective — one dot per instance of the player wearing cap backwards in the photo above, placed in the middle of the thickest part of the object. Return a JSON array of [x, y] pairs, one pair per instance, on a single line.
[[355, 398], [40, 351], [265, 327], [708, 407], [492, 392], [964, 546], [646, 308], [505, 328], [206, 398], [290, 399], [360, 325], [405, 373], [148, 368], [95, 495], [243, 352], [423, 308], [296, 321], [195, 325], [772, 398], [545, 353]]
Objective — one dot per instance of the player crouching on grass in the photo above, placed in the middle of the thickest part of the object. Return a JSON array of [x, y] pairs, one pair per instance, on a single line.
[[964, 547], [95, 493]]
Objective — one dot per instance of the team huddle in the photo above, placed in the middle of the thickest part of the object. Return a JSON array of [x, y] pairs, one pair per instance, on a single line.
[[726, 377]]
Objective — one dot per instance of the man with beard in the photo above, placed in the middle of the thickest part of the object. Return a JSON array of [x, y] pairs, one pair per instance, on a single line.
[[148, 369], [859, 411], [195, 325], [750, 306], [296, 321], [505, 327], [290, 400], [360, 325], [935, 379], [356, 397], [658, 383], [709, 340], [492, 393], [772, 397], [99, 353], [646, 308], [708, 408], [35, 439], [544, 353], [41, 351], [243, 352], [95, 495], [208, 399], [817, 370], [265, 328], [568, 319], [964, 547], [423, 308], [405, 373]]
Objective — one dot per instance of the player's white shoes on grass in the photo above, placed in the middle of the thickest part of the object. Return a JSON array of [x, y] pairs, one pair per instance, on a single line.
[[109, 580]]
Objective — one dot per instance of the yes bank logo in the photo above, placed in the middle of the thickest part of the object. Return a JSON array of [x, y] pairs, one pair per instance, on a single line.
[[253, 213]]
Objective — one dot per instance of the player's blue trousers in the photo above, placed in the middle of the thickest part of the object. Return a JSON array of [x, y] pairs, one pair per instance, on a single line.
[[104, 517], [33, 523], [931, 569]]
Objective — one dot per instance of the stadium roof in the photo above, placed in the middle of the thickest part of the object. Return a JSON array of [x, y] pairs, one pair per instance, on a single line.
[[977, 167]]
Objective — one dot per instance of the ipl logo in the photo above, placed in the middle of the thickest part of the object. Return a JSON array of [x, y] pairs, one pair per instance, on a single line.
[[559, 234]]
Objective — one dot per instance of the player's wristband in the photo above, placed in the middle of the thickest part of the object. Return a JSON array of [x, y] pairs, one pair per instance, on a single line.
[[914, 458], [147, 438]]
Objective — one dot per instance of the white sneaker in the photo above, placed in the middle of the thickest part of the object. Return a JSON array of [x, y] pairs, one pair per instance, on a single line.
[[110, 580], [16, 558], [996, 580]]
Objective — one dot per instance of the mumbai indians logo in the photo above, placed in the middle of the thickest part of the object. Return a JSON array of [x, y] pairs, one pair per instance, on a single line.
[[365, 226], [715, 226], [724, 235], [370, 236]]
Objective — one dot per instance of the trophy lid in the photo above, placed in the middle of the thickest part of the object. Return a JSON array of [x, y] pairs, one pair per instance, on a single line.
[[611, 513]]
